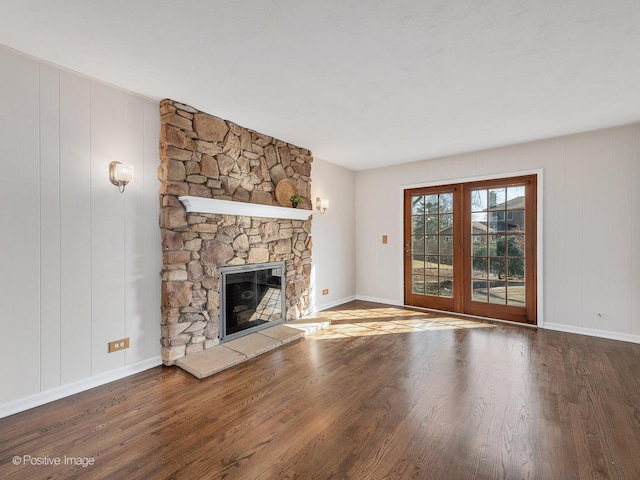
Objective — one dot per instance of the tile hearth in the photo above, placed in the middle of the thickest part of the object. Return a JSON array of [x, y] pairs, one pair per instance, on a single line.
[[221, 357]]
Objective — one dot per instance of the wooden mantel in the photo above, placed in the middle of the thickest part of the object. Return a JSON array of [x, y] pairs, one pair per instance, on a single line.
[[229, 207]]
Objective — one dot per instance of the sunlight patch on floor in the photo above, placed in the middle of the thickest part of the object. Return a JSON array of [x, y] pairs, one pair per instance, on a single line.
[[385, 321]]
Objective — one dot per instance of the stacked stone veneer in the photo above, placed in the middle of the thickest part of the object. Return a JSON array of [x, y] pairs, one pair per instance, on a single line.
[[205, 156]]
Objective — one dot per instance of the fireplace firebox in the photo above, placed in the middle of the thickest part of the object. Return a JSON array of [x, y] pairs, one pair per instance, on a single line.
[[251, 298]]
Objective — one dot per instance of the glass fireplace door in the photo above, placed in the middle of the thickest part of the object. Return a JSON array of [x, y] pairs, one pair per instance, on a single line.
[[252, 298]]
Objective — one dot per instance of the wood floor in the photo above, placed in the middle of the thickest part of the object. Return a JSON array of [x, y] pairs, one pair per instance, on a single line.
[[385, 393]]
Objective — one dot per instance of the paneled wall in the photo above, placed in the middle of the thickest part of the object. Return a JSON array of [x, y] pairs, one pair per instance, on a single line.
[[80, 261], [591, 225], [334, 244]]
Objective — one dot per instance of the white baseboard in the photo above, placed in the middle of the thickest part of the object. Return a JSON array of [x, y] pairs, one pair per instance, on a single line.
[[396, 303], [342, 301], [592, 332], [57, 393]]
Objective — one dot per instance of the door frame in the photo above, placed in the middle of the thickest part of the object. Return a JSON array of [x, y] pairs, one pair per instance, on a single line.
[[539, 228]]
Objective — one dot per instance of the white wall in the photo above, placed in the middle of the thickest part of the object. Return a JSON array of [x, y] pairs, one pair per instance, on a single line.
[[333, 235], [591, 225], [79, 261]]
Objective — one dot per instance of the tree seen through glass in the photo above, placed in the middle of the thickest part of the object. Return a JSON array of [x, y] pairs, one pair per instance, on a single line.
[[432, 244]]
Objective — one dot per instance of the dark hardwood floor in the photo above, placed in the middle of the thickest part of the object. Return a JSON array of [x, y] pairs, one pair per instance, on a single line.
[[385, 393]]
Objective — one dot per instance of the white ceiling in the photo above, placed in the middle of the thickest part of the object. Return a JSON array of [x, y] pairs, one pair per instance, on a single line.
[[362, 83]]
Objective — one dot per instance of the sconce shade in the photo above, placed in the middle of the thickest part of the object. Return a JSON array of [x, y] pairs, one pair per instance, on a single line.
[[322, 204], [120, 175]]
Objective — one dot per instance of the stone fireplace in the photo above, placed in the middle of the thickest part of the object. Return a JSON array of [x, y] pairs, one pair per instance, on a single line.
[[219, 211]]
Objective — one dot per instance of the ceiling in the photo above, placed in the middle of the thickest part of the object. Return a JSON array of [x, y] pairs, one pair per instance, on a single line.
[[362, 83]]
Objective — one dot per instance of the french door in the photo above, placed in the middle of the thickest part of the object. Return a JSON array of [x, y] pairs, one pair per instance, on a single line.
[[471, 248]]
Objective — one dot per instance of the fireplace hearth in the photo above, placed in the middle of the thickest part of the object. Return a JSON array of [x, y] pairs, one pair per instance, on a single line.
[[252, 298]]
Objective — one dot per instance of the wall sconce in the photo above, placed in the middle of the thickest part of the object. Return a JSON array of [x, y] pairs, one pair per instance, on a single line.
[[322, 205], [120, 174]]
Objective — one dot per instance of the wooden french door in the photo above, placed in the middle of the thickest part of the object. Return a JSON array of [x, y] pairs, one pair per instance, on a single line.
[[471, 248]]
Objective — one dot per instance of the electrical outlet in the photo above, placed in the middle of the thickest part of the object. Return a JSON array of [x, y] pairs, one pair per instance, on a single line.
[[325, 291], [118, 345], [384, 239]]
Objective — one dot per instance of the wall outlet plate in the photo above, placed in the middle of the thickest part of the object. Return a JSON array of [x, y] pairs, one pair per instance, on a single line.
[[118, 345], [384, 239], [325, 291]]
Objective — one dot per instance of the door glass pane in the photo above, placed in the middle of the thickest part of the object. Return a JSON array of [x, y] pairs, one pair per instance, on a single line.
[[432, 245], [516, 294], [479, 291], [510, 246], [496, 222], [479, 222], [497, 198], [515, 270], [432, 286], [417, 205], [479, 267], [446, 286], [417, 284], [514, 192], [496, 267], [431, 204], [515, 220], [446, 244], [418, 265], [478, 200], [498, 293], [478, 245], [432, 265], [417, 225], [446, 202], [446, 266], [515, 195], [417, 245], [518, 241], [431, 224], [446, 224], [496, 244]]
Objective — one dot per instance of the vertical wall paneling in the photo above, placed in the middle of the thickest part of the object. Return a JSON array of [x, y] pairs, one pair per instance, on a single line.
[[20, 220], [80, 261], [134, 248], [75, 228], [596, 232], [152, 244], [618, 315], [50, 226], [336, 226], [458, 165], [574, 238], [366, 202], [107, 228], [555, 199], [634, 241]]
